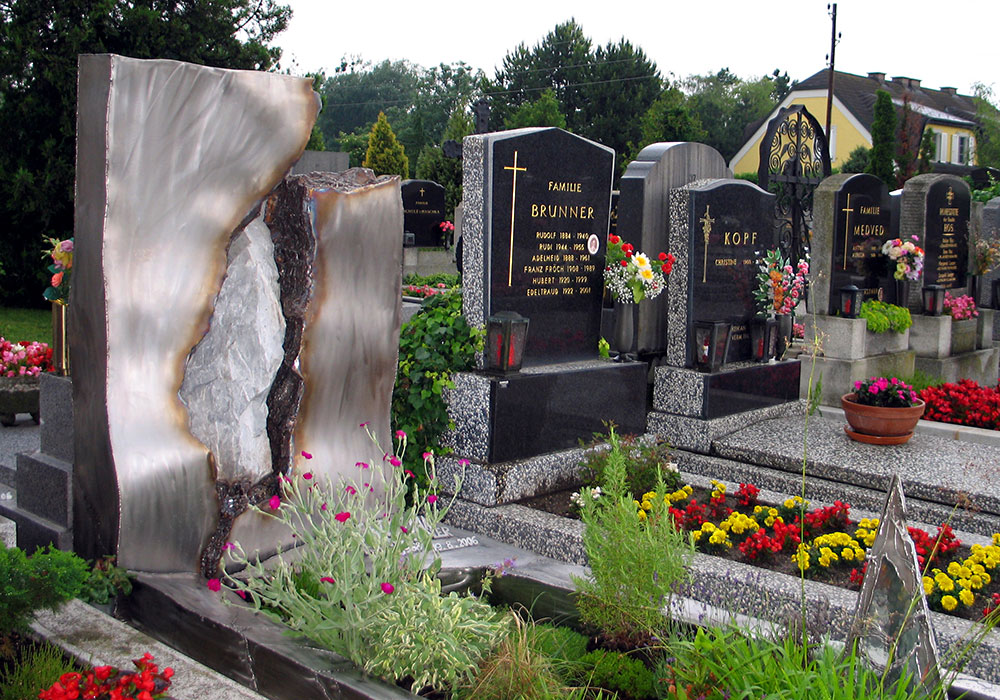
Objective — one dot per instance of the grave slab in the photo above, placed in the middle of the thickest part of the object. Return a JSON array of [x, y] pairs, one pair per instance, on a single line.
[[734, 389]]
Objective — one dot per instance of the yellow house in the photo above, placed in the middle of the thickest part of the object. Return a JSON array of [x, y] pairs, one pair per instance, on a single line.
[[950, 115]]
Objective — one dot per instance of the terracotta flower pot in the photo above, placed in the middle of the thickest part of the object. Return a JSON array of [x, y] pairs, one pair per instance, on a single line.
[[890, 425]]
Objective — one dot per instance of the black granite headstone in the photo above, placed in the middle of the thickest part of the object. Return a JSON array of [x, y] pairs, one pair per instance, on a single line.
[[551, 194], [423, 211], [731, 224], [862, 222], [946, 241]]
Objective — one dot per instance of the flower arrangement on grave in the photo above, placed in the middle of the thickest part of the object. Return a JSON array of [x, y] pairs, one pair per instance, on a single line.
[[887, 392], [779, 284], [24, 359], [985, 253], [446, 227], [633, 276], [907, 256], [961, 308], [61, 268]]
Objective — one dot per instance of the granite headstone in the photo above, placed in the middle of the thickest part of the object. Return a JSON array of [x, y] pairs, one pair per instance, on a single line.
[[535, 229], [719, 230], [936, 208], [423, 211]]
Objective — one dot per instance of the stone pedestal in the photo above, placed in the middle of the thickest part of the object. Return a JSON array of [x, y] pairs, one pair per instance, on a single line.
[[978, 365], [984, 328], [930, 336], [964, 336], [43, 507]]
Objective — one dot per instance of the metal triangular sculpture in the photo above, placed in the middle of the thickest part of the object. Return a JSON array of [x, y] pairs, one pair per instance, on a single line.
[[891, 622]]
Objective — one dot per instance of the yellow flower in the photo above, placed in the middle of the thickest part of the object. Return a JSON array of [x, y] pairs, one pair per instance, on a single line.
[[847, 553], [967, 597], [965, 571], [944, 583], [949, 603], [976, 581], [646, 505], [642, 262], [954, 568], [928, 585], [642, 515]]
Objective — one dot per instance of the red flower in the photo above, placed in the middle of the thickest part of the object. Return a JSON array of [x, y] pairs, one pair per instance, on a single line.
[[662, 256], [342, 517], [624, 263], [613, 239]]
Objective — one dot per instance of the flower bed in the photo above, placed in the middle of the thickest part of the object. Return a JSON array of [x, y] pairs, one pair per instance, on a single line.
[[963, 403]]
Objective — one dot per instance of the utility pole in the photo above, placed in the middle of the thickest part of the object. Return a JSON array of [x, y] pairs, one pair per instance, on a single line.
[[834, 40]]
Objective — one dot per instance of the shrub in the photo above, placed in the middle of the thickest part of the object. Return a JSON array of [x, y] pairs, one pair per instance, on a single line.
[[43, 581], [634, 563], [445, 278], [39, 667], [643, 462], [882, 317], [436, 342], [385, 155], [363, 583], [617, 672]]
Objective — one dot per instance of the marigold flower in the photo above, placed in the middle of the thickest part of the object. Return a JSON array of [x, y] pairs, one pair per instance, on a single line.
[[949, 603]]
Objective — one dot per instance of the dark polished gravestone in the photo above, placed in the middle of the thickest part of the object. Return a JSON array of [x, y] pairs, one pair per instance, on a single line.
[[535, 226], [543, 222], [719, 229], [645, 220], [852, 218], [937, 209], [423, 211]]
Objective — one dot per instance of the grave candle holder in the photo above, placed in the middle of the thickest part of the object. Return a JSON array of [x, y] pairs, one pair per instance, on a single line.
[[933, 299], [850, 301], [506, 334], [763, 338], [711, 344]]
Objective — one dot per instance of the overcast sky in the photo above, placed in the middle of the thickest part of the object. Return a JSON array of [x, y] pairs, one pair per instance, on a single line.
[[952, 43]]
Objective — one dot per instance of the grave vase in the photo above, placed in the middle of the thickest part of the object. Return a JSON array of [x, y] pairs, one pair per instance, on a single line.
[[785, 323], [624, 330], [18, 395], [903, 293], [978, 289]]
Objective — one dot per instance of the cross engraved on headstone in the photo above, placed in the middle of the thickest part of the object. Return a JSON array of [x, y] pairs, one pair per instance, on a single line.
[[706, 222], [847, 226], [892, 621], [950, 196], [513, 208], [421, 191]]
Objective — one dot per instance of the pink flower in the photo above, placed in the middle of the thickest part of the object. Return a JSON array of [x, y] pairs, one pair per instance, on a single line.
[[363, 465], [307, 475], [410, 474], [351, 490], [275, 502], [400, 434], [388, 588], [214, 585], [228, 545], [395, 461], [323, 507], [427, 455], [432, 499], [327, 579], [306, 455], [363, 425], [342, 517], [242, 594], [463, 462], [403, 528]]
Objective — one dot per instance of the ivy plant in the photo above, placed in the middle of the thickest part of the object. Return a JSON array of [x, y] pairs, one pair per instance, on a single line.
[[883, 317], [436, 342]]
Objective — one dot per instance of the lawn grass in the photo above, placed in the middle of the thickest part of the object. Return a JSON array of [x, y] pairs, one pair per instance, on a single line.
[[26, 324]]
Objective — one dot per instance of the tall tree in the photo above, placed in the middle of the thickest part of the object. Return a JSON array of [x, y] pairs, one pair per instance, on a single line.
[[669, 118], [880, 163], [988, 133], [544, 111], [38, 62], [908, 143], [726, 104], [385, 154]]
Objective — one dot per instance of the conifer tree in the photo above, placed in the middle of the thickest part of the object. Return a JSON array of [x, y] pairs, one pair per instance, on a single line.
[[385, 154], [880, 163]]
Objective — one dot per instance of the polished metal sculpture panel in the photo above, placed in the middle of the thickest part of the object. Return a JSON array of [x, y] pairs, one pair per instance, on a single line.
[[173, 160]]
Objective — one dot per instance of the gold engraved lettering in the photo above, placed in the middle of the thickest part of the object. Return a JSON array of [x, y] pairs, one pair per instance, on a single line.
[[561, 211], [869, 230], [738, 238], [565, 186], [869, 211]]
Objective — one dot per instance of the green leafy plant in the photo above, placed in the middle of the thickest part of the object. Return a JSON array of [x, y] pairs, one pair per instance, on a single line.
[[920, 380], [43, 581], [445, 278], [644, 464], [38, 667], [635, 564], [106, 581], [558, 642], [882, 317], [619, 673], [363, 582], [435, 343]]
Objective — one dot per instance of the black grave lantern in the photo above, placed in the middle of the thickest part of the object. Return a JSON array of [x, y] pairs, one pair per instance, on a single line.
[[763, 338], [933, 299], [995, 294], [711, 344], [506, 334], [850, 301]]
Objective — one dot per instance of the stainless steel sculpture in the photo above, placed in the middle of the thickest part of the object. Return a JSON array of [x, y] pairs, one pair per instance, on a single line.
[[892, 622], [173, 162]]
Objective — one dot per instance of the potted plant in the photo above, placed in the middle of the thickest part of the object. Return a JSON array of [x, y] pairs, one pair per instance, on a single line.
[[881, 411], [20, 365], [886, 326], [963, 312], [632, 277]]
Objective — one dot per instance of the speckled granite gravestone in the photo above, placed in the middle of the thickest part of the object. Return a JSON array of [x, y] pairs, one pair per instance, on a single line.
[[644, 219], [852, 217], [535, 222]]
